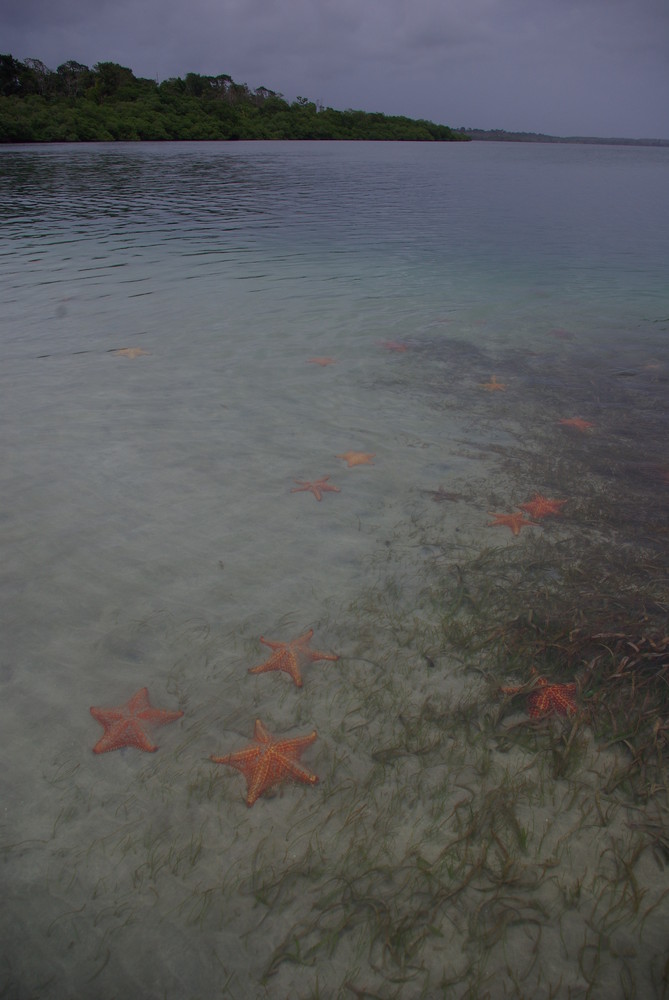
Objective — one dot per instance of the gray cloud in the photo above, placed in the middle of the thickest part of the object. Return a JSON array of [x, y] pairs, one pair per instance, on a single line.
[[597, 67]]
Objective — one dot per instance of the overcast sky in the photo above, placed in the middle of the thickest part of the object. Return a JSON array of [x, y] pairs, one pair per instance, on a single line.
[[566, 67]]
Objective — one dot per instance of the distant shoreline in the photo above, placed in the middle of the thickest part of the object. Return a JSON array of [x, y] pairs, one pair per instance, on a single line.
[[499, 135]]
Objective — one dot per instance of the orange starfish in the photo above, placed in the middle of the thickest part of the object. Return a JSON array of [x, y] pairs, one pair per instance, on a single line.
[[318, 487], [493, 385], [395, 345], [357, 457], [321, 361], [541, 506], [268, 761], [124, 725], [577, 423], [129, 352], [289, 656], [547, 699], [513, 521]]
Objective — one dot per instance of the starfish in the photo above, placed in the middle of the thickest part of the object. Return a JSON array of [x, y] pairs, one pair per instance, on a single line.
[[321, 361], [395, 345], [129, 352], [513, 521], [577, 423], [268, 761], [547, 698], [124, 725], [357, 457], [289, 656], [540, 506], [318, 487], [493, 385]]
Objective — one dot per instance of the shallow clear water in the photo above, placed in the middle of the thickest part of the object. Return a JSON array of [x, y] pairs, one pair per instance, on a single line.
[[150, 532]]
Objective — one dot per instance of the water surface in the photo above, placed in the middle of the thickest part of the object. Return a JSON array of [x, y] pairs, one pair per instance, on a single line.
[[151, 536]]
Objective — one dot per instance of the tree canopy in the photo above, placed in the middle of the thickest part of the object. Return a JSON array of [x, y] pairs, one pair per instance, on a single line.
[[108, 102]]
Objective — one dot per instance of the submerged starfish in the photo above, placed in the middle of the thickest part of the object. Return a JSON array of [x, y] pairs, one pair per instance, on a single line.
[[321, 361], [129, 352], [125, 724], [577, 423], [289, 656], [493, 385], [268, 761], [318, 487], [395, 345], [547, 698], [357, 457], [513, 521], [541, 506]]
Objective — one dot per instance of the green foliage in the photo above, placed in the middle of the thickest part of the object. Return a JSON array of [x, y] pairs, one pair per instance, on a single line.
[[109, 103]]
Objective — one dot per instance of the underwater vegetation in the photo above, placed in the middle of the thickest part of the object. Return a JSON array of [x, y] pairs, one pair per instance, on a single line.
[[491, 815]]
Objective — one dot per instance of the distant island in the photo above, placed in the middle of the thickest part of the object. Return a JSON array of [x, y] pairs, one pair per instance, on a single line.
[[499, 135], [109, 103]]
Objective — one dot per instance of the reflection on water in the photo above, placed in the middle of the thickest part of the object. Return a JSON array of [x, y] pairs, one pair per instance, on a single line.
[[163, 305]]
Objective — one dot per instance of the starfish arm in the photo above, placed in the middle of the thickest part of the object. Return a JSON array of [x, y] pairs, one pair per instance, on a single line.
[[317, 487], [243, 760], [138, 702], [357, 458], [314, 654], [308, 488], [260, 779], [291, 749], [300, 773], [125, 733], [302, 640], [159, 716], [540, 506], [106, 716], [261, 733], [282, 660], [513, 521]]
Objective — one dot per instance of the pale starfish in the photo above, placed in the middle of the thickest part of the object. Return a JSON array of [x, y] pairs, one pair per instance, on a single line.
[[125, 724], [289, 656], [493, 385], [268, 761], [395, 345], [129, 352], [321, 361], [357, 457], [513, 521], [541, 506], [577, 423], [547, 698], [318, 487]]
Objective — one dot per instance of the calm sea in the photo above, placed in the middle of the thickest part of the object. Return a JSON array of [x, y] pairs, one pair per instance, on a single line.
[[189, 333]]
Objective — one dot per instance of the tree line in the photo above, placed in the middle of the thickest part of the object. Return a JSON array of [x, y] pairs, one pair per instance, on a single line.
[[107, 102]]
